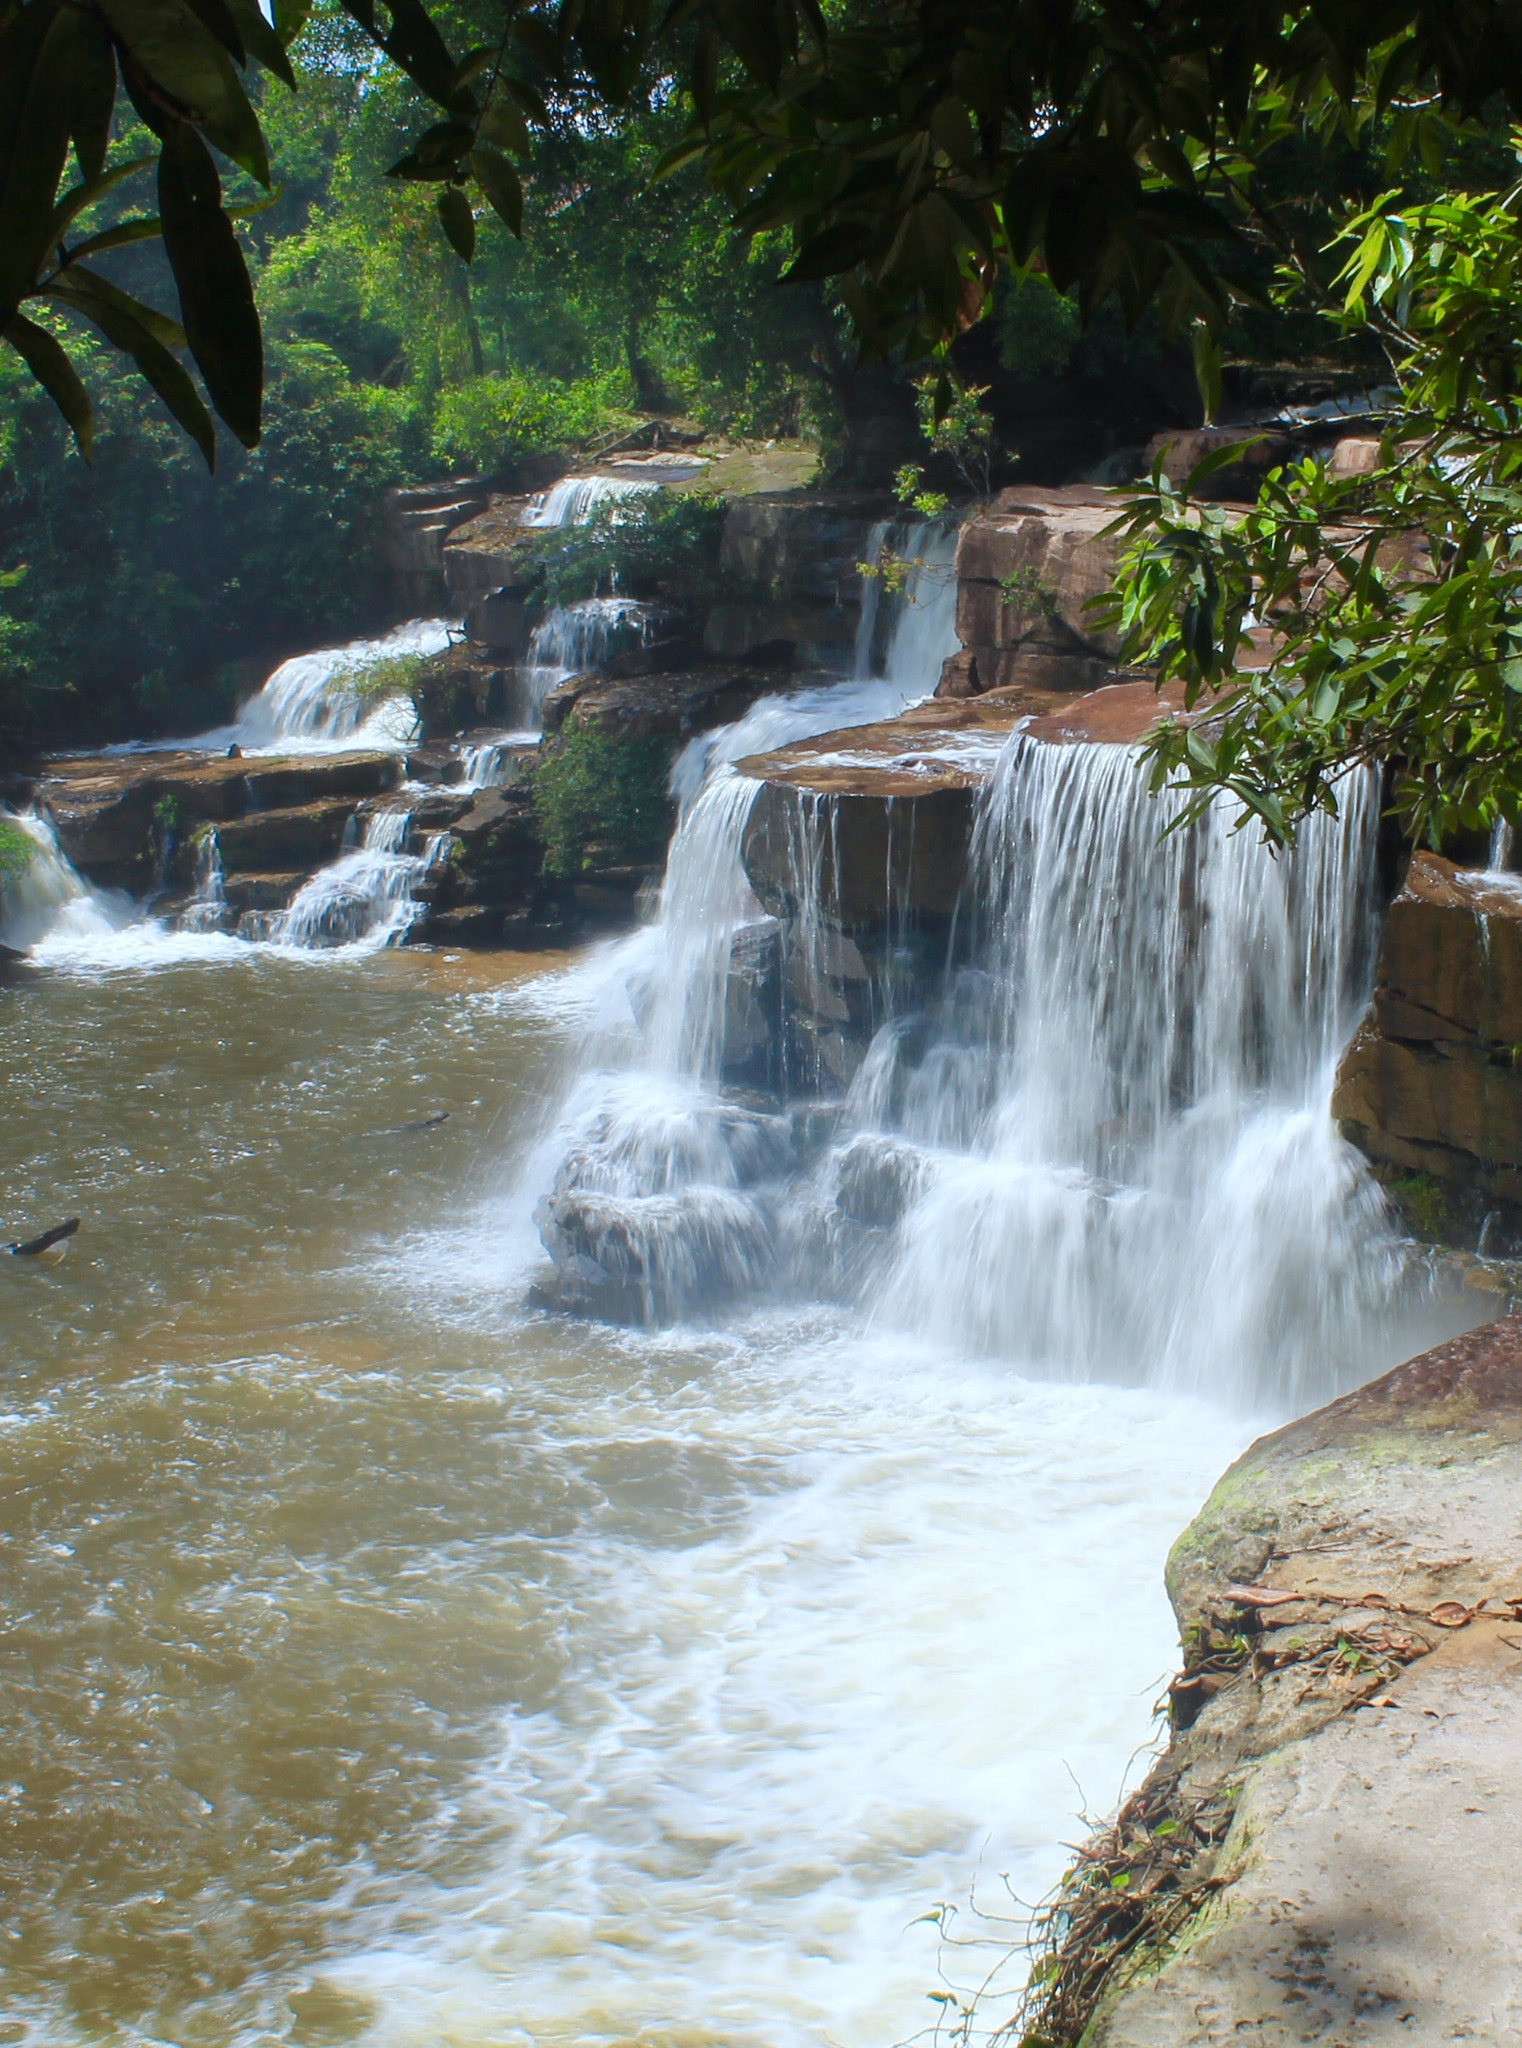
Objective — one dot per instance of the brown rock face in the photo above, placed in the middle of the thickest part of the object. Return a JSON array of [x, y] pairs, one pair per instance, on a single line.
[[674, 703], [799, 553], [1182, 452], [114, 813], [1431, 1084], [1026, 571]]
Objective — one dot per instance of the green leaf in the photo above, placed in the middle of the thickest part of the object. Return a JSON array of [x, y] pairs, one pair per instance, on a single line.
[[290, 19], [216, 297], [504, 126], [458, 222], [179, 55], [39, 151], [89, 283], [1207, 368], [145, 228], [499, 181], [168, 377], [94, 99], [74, 201], [261, 41], [216, 18], [44, 357]]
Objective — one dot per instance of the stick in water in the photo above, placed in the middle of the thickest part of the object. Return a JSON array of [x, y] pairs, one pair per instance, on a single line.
[[56, 1235]]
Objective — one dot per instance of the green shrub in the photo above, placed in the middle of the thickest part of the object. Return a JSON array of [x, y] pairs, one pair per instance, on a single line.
[[491, 422], [17, 850], [602, 800]]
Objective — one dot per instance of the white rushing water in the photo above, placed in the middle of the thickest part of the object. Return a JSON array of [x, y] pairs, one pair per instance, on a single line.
[[364, 898], [577, 499], [322, 702], [49, 900], [573, 638]]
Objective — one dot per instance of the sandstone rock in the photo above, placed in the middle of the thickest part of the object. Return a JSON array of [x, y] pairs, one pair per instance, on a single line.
[[799, 553], [304, 836], [1027, 569], [675, 704], [416, 520], [482, 552], [1431, 1084], [117, 814], [1367, 1890]]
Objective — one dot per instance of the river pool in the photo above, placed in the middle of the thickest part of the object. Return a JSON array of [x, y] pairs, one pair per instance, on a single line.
[[385, 1661]]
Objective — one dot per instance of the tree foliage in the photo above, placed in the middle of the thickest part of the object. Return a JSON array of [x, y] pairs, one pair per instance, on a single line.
[[908, 151], [1394, 598]]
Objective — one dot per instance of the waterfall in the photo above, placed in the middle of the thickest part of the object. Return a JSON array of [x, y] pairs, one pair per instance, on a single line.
[[664, 1188], [207, 909], [1128, 1169], [1101, 1150], [576, 499], [365, 896], [573, 638], [47, 898], [318, 702]]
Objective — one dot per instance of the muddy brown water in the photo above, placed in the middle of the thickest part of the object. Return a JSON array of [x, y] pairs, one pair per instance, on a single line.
[[381, 1661]]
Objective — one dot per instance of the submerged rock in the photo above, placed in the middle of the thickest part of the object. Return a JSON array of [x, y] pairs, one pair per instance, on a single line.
[[1350, 1713]]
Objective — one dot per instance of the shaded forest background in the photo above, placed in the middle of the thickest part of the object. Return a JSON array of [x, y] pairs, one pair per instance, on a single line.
[[140, 595]]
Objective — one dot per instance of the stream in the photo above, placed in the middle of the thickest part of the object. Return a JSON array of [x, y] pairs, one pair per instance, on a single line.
[[389, 1660]]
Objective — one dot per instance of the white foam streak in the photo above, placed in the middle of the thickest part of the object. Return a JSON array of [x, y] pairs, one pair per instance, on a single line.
[[49, 906]]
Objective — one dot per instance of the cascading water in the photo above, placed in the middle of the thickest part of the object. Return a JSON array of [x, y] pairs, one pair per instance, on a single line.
[[664, 1188], [46, 898], [318, 702], [207, 909], [573, 638], [1127, 1167], [576, 499], [1104, 1153], [365, 896]]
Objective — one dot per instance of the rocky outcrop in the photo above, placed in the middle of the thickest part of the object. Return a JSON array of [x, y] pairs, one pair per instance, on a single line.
[[1345, 1771], [675, 702], [129, 821], [1027, 568], [794, 556], [1431, 1088], [417, 519], [482, 551]]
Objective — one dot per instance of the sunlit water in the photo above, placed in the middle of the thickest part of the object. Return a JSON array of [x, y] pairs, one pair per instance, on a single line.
[[387, 1663]]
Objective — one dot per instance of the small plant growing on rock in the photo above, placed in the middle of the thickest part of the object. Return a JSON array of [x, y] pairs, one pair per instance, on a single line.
[[18, 849]]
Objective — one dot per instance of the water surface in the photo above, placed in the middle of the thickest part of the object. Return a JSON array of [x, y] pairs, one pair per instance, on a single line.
[[386, 1662]]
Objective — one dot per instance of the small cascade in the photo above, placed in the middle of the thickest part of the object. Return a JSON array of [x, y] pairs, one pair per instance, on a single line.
[[364, 898], [576, 637], [318, 702], [48, 900], [482, 767], [576, 499], [207, 909]]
